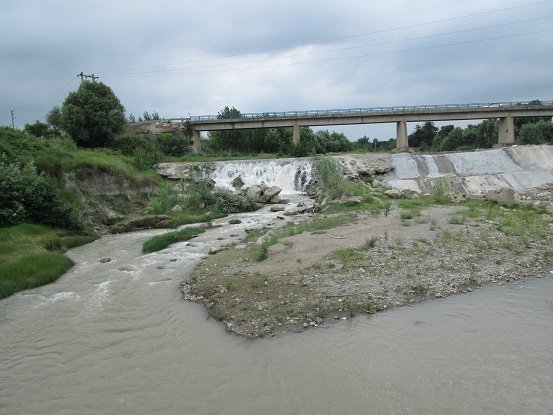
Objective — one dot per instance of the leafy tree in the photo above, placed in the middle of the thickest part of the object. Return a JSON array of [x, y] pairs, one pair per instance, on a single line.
[[540, 132], [423, 135], [92, 114], [38, 129]]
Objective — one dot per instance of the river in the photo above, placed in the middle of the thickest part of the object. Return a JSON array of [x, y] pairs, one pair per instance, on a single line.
[[116, 337]]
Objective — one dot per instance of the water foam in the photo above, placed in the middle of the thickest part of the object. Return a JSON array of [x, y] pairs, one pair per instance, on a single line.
[[291, 175]]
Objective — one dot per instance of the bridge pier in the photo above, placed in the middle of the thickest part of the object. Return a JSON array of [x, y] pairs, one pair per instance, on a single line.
[[506, 136], [296, 134], [402, 143], [196, 143]]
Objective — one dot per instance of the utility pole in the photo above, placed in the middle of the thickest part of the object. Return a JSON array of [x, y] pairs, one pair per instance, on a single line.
[[83, 77], [13, 119]]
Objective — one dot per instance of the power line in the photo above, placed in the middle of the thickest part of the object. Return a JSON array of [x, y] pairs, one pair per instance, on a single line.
[[13, 118], [357, 35], [184, 72], [344, 48]]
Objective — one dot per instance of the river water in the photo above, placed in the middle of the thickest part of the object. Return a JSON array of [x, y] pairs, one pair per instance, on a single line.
[[117, 338]]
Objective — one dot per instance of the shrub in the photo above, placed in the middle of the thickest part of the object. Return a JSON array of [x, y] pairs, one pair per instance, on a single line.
[[26, 195], [173, 144], [144, 159]]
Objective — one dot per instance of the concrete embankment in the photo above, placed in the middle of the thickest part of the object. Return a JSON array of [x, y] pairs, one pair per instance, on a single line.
[[524, 169]]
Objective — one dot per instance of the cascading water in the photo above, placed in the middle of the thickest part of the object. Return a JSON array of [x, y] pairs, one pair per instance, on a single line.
[[291, 175]]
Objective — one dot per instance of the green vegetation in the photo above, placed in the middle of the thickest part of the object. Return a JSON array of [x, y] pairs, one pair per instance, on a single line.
[[31, 255], [162, 241], [91, 115]]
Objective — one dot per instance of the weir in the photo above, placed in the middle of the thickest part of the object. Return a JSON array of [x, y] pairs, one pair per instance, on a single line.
[[291, 175]]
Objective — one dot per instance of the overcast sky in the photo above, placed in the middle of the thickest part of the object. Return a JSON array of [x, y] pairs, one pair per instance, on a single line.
[[195, 57]]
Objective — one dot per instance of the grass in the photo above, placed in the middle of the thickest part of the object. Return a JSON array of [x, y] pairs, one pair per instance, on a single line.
[[31, 256], [162, 241], [369, 243], [32, 270], [347, 255], [318, 224]]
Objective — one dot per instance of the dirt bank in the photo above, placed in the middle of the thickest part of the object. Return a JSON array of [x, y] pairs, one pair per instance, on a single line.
[[357, 262]]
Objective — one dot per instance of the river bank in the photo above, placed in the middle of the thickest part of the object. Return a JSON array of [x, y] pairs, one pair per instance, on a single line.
[[358, 262]]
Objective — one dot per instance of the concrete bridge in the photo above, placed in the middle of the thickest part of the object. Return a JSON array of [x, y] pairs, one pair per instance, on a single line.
[[504, 111]]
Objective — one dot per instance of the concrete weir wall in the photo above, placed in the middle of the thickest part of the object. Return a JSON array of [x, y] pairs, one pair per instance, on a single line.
[[521, 168]]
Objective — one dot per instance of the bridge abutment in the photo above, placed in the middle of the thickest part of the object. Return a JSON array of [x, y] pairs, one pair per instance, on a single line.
[[506, 136]]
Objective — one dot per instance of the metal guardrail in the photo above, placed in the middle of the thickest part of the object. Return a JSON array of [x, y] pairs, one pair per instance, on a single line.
[[371, 110]]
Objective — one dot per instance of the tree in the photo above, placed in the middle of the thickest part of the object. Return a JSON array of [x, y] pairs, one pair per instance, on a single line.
[[423, 135], [92, 114]]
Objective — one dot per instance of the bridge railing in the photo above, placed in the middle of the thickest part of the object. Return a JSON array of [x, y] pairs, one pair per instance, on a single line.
[[370, 110]]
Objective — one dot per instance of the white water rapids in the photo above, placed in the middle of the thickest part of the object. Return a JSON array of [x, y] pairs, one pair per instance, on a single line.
[[291, 175]]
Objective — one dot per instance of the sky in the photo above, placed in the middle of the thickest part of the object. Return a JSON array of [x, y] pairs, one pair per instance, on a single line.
[[188, 57]]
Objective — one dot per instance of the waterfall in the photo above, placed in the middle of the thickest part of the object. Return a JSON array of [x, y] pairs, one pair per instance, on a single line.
[[291, 175]]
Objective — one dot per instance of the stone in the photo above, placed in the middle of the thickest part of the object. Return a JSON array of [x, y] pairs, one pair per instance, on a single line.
[[271, 192], [393, 193], [352, 199], [277, 208], [105, 260], [213, 250], [254, 191], [234, 222], [276, 200], [176, 208], [504, 196], [265, 238], [238, 182]]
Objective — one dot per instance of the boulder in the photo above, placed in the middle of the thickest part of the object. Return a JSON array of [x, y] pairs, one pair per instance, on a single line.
[[176, 208], [266, 238], [276, 200], [234, 221], [271, 192], [504, 196], [277, 208], [393, 193], [238, 183], [254, 191]]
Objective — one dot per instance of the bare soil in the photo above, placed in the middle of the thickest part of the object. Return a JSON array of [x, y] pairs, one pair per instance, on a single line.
[[370, 264]]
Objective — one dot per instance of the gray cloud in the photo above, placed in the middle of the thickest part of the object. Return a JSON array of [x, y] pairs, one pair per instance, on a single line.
[[196, 57]]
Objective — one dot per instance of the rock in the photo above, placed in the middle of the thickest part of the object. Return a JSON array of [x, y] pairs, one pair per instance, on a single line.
[[302, 209], [254, 191], [176, 208], [376, 183], [305, 325], [280, 217], [213, 250], [393, 193], [271, 192], [238, 183], [409, 194], [234, 221], [265, 238], [276, 200], [504, 196], [277, 208], [352, 199], [104, 260]]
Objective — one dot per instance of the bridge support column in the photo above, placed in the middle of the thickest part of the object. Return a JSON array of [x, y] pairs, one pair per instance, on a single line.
[[402, 143], [296, 134], [196, 143], [506, 131]]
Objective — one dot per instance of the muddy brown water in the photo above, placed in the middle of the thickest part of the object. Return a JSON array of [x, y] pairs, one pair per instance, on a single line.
[[117, 338]]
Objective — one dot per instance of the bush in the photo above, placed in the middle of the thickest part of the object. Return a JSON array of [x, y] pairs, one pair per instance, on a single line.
[[129, 143], [144, 159], [26, 195], [173, 144]]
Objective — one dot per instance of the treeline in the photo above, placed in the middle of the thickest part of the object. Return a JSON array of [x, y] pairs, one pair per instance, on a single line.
[[273, 140], [428, 137]]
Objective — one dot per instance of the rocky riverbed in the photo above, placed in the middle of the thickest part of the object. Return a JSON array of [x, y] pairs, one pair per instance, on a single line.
[[352, 263]]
